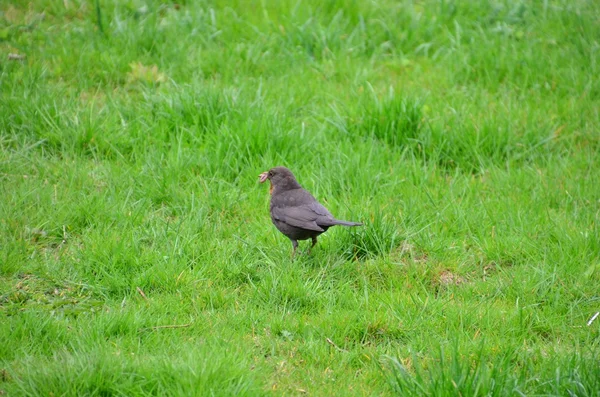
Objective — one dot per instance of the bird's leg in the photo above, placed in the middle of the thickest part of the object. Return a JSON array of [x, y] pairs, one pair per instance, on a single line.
[[295, 245], [314, 242]]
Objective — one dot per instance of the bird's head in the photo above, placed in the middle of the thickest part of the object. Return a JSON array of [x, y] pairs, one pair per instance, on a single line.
[[280, 178]]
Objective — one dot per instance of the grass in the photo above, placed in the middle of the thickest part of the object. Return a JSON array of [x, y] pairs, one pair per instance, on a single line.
[[136, 252]]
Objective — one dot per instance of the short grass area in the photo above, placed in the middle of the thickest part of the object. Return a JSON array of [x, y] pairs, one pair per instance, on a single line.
[[137, 256]]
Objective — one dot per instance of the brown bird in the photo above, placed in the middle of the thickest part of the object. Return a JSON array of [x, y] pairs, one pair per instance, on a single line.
[[294, 211]]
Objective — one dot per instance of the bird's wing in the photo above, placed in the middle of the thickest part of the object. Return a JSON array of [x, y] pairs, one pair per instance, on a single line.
[[324, 217], [300, 209], [302, 216]]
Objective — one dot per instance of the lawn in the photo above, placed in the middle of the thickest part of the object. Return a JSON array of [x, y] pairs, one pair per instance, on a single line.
[[137, 256]]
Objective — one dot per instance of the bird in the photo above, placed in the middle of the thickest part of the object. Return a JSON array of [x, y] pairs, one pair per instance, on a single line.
[[294, 211]]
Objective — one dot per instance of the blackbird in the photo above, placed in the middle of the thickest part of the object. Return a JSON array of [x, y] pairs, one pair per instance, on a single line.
[[294, 211]]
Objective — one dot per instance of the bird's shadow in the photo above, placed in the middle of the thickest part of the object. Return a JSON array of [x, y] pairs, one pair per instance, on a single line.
[[326, 253]]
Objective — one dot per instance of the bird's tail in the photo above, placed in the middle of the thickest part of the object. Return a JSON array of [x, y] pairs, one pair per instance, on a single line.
[[346, 223]]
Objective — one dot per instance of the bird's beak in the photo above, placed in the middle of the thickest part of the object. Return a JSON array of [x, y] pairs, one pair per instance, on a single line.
[[264, 176]]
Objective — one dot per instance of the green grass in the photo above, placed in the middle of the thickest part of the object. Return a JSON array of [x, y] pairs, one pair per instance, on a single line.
[[136, 252]]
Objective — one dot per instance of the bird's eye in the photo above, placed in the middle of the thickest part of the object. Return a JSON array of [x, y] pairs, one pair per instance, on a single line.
[[270, 173]]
